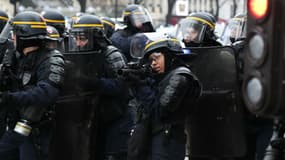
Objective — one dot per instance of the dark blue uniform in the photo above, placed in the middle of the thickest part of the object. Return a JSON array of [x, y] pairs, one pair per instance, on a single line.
[[122, 40], [168, 101], [39, 75], [95, 125], [115, 118]]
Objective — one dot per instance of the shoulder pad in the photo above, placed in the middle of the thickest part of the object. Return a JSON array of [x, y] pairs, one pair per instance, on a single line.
[[115, 58], [56, 52], [56, 60], [187, 71], [110, 49], [182, 70]]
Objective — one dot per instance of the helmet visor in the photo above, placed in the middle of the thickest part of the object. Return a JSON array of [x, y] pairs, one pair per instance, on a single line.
[[192, 31], [237, 29], [81, 41], [140, 40], [138, 17], [51, 44], [6, 33]]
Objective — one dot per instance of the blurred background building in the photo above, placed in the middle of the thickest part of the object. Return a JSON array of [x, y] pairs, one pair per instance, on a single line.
[[164, 12]]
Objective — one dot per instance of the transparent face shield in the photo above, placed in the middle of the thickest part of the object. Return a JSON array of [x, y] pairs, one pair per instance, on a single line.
[[237, 29], [192, 31], [178, 32], [140, 40], [139, 16], [81, 40], [55, 44], [54, 41], [6, 33]]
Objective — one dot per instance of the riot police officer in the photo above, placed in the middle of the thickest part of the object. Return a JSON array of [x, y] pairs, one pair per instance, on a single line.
[[109, 26], [237, 28], [166, 99], [136, 19], [36, 84], [235, 37], [217, 120], [55, 19], [197, 30], [101, 120], [54, 41], [258, 129]]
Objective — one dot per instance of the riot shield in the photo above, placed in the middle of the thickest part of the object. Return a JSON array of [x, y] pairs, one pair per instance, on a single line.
[[216, 126], [79, 65], [75, 107]]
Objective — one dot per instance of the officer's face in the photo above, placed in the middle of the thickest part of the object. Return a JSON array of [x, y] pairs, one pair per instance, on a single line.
[[191, 35], [156, 60], [81, 41], [235, 32]]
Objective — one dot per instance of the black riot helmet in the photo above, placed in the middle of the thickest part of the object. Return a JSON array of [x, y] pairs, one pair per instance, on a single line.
[[144, 44], [109, 26], [138, 18], [30, 29], [169, 45], [55, 19], [53, 38], [166, 45], [87, 34], [3, 20], [71, 20], [140, 40], [198, 28]]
